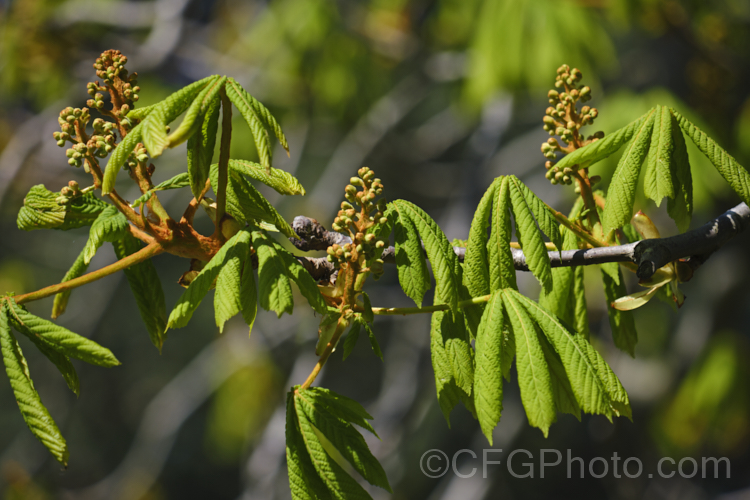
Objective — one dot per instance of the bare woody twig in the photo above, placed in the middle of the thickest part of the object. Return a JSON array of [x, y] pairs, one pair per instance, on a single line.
[[649, 255]]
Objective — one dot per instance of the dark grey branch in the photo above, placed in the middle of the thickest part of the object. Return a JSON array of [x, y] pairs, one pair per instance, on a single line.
[[649, 255]]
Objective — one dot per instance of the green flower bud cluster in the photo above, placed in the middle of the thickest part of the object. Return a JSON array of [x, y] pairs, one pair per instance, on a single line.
[[564, 119], [139, 155], [68, 193], [365, 246], [76, 154], [110, 65], [103, 141], [67, 120]]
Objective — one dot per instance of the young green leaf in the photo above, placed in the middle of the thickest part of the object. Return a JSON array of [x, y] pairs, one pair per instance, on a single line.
[[543, 214], [37, 417], [303, 478], [476, 264], [561, 301], [255, 115], [343, 436], [339, 483], [621, 322], [246, 204], [488, 377], [342, 407], [562, 392], [657, 179], [42, 211], [734, 173], [176, 182], [621, 193], [282, 182], [297, 273], [207, 99], [533, 372], [529, 237], [248, 293], [373, 341], [448, 392], [680, 208], [601, 149], [63, 365], [199, 287], [61, 339], [111, 225], [146, 287], [410, 262], [351, 338], [227, 301], [152, 130], [596, 387], [439, 250], [581, 318], [273, 281], [78, 268], [502, 269], [200, 148]]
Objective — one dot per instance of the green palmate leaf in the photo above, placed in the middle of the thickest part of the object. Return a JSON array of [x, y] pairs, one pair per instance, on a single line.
[[410, 261], [37, 417], [176, 182], [61, 339], [543, 214], [598, 150], [622, 322], [342, 435], [111, 225], [42, 211], [202, 283], [246, 204], [152, 130], [680, 208], [476, 265], [274, 287], [734, 173], [200, 148], [530, 238], [373, 341], [338, 483], [207, 99], [282, 182], [533, 373], [256, 115], [562, 392], [488, 377], [560, 301], [147, 290], [303, 478], [248, 293], [657, 180], [452, 360], [367, 313], [595, 386], [502, 269], [621, 193], [439, 251], [78, 268], [352, 337]]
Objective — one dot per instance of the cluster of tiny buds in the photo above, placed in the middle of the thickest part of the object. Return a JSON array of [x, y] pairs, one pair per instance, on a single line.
[[110, 66], [69, 192], [139, 155], [563, 119], [365, 246]]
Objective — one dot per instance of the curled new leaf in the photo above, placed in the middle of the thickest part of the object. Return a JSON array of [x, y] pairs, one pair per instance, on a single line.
[[42, 210], [78, 268], [176, 182], [282, 182], [111, 225]]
